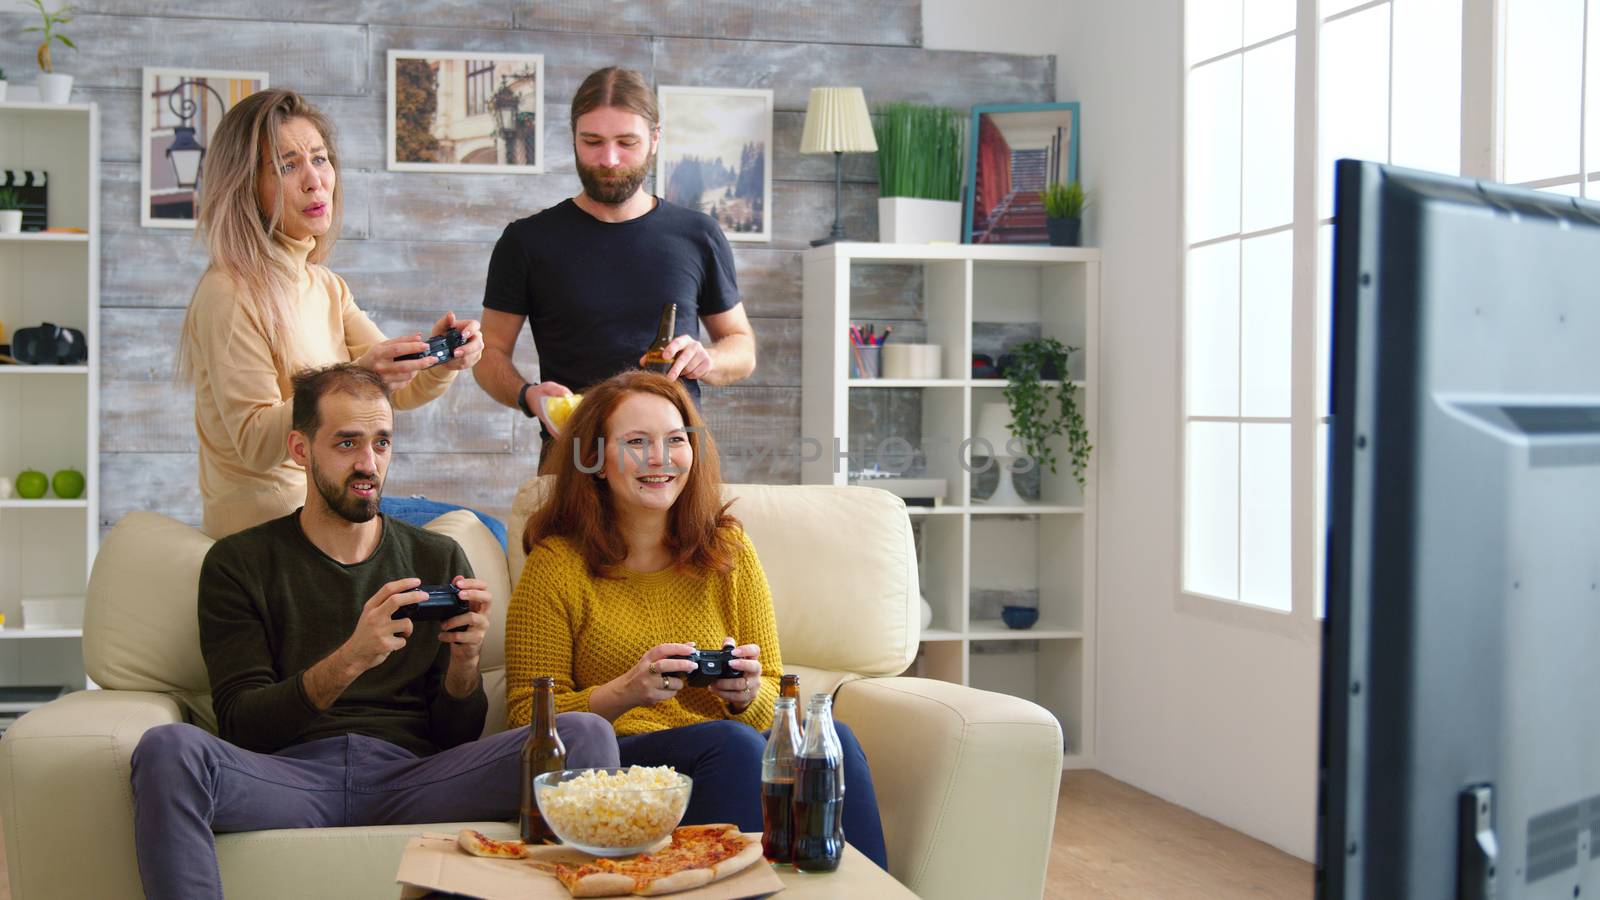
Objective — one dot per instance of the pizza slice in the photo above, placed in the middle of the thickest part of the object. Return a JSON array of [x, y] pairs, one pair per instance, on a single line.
[[697, 856], [479, 844]]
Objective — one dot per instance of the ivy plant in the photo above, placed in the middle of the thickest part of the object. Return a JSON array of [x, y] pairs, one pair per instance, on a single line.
[[1035, 419]]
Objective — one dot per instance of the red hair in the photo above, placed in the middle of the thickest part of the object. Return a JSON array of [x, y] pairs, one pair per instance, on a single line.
[[579, 505]]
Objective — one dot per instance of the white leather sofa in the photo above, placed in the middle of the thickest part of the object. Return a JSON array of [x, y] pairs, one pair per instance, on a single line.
[[966, 780]]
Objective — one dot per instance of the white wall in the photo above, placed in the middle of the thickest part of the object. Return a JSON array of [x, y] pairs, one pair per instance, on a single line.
[[1217, 717]]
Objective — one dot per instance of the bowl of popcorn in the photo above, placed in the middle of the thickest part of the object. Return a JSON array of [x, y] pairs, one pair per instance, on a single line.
[[613, 812]]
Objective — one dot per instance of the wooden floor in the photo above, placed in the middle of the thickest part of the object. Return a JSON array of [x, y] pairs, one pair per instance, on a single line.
[[1116, 841]]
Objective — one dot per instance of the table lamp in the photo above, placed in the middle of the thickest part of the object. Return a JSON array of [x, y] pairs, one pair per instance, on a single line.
[[994, 426], [837, 122]]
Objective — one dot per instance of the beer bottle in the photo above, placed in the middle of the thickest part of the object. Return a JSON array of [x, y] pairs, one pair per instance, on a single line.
[[789, 686], [819, 792], [777, 779], [541, 753], [655, 359]]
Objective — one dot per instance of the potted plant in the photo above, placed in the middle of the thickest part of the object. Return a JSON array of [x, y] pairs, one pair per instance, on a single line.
[[1040, 412], [10, 212], [2, 85], [54, 87], [1063, 209], [919, 173]]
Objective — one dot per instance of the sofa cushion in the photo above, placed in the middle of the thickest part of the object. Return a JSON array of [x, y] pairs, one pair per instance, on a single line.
[[141, 631], [858, 566]]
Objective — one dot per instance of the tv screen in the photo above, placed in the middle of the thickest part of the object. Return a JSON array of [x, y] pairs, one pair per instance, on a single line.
[[1461, 668]]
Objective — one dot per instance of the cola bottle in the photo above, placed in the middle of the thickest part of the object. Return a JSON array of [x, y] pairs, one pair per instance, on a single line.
[[777, 779], [819, 792]]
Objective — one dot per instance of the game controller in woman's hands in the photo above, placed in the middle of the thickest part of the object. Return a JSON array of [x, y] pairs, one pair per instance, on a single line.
[[441, 347], [710, 666]]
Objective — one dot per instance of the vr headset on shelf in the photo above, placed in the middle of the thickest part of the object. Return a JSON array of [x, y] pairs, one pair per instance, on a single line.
[[49, 345]]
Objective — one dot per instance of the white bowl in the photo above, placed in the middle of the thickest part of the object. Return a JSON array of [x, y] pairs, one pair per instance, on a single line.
[[603, 820]]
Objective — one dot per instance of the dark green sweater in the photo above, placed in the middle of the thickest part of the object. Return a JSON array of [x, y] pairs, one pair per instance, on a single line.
[[272, 605]]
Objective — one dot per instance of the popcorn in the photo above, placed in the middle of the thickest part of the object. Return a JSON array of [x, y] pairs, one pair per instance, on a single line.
[[621, 809]]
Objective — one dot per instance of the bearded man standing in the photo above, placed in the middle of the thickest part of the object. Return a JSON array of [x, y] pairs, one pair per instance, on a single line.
[[592, 274]]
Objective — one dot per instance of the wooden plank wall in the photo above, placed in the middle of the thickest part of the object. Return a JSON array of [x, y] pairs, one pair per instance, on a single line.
[[414, 244]]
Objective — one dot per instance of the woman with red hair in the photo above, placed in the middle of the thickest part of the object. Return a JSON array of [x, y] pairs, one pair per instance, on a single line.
[[633, 559]]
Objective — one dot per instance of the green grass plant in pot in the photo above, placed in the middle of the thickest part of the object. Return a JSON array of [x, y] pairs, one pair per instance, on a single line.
[[1063, 209], [919, 173], [10, 212]]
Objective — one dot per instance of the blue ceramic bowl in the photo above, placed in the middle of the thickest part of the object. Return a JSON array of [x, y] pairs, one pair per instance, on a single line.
[[1019, 616]]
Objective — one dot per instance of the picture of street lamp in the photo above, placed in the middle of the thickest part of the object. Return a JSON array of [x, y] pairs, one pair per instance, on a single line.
[[181, 110]]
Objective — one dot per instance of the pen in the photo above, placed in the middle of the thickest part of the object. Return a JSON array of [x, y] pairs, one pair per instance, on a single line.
[[888, 330]]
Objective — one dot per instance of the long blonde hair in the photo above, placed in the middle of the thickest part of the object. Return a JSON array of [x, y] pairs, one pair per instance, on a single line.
[[238, 234]]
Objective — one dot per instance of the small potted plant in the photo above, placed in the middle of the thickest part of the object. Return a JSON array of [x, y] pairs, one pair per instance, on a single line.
[[1040, 412], [2, 85], [54, 87], [10, 211], [919, 173], [1063, 210]]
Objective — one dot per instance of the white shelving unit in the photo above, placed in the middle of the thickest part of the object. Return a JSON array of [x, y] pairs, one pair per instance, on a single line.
[[50, 413], [1044, 548]]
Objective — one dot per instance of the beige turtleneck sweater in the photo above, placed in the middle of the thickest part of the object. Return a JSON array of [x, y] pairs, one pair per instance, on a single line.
[[242, 390]]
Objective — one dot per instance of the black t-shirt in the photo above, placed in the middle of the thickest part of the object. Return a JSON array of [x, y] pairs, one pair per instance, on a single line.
[[593, 291]]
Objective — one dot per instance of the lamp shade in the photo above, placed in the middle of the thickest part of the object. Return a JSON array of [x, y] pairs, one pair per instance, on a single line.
[[994, 426], [837, 122]]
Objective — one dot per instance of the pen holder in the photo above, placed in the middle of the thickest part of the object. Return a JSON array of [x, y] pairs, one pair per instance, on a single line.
[[864, 360]]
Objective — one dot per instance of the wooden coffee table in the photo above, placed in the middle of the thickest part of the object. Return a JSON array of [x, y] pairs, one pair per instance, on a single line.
[[856, 876]]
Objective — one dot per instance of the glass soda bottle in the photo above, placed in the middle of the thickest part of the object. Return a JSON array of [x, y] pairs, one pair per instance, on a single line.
[[777, 775], [655, 358], [542, 752], [819, 792]]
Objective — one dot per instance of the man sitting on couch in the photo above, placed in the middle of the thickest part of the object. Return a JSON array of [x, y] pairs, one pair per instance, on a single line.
[[331, 711]]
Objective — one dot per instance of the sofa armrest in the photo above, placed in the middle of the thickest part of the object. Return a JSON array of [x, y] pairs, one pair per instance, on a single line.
[[64, 785], [961, 775]]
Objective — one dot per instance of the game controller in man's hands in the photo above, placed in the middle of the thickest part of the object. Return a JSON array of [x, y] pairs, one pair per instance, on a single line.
[[711, 665], [441, 347], [444, 602]]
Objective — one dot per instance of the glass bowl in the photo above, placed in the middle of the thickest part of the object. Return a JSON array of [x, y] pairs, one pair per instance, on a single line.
[[612, 812]]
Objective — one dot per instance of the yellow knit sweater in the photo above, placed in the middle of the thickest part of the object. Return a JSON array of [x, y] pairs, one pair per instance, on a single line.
[[585, 631]]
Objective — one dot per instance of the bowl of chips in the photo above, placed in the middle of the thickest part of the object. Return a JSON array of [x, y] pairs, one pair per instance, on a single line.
[[613, 812]]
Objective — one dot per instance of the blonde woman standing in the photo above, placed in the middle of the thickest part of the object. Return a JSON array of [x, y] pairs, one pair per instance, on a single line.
[[267, 307]]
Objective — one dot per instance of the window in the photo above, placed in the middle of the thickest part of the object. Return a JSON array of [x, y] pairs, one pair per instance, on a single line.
[[1380, 80], [480, 86], [1552, 95]]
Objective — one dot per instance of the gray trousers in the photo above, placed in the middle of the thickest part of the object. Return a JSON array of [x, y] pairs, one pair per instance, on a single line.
[[189, 784]]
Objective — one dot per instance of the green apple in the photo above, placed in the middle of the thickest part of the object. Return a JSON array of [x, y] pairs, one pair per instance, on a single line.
[[31, 485], [68, 484]]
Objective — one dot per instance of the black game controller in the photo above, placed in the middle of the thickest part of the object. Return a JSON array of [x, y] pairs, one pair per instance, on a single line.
[[444, 602], [713, 666], [440, 347]]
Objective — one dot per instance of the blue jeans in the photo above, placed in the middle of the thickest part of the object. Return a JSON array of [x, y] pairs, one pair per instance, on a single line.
[[724, 759], [189, 784], [419, 510]]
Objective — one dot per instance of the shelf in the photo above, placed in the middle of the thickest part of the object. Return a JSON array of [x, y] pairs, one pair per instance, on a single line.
[[1042, 509], [940, 634], [1002, 382], [19, 503], [927, 510], [996, 630], [36, 106], [9, 633], [872, 252], [9, 369], [40, 237], [906, 383]]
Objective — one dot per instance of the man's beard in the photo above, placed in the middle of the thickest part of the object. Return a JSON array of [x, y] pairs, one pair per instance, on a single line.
[[614, 187], [345, 504]]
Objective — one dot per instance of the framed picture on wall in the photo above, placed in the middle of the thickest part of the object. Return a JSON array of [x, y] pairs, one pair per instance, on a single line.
[[716, 156], [466, 112], [1017, 149], [181, 111]]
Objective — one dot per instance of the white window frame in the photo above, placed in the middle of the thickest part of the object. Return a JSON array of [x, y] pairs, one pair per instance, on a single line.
[[1482, 103]]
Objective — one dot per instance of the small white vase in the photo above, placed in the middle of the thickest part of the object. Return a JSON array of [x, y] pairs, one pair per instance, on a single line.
[[2, 91], [927, 614], [910, 220], [54, 87], [10, 221]]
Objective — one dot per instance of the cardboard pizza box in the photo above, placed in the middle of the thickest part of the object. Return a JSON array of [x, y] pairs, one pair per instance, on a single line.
[[433, 862]]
